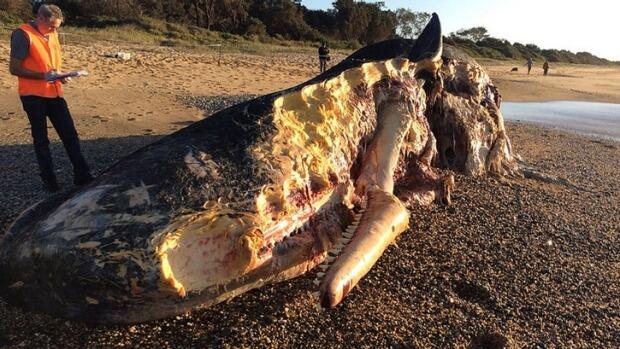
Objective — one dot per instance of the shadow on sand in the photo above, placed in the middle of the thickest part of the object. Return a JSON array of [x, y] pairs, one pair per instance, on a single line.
[[21, 187]]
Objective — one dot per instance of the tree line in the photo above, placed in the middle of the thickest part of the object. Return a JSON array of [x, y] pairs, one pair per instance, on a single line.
[[478, 43], [349, 20], [349, 23]]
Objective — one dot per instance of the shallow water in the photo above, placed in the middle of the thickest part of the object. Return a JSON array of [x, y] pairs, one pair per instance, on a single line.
[[595, 119]]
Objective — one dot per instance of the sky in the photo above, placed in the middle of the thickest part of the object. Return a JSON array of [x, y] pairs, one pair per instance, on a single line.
[[592, 25]]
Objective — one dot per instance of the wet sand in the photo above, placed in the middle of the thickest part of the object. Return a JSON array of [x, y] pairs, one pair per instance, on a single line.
[[588, 118], [512, 263]]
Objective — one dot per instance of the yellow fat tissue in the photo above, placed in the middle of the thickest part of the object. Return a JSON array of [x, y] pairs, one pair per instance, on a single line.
[[319, 128], [208, 248]]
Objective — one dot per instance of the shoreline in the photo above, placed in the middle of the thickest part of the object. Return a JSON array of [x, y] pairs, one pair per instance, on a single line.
[[533, 99], [594, 119], [552, 127], [594, 101]]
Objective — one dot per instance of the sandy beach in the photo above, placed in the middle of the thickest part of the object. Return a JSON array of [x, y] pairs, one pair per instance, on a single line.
[[513, 263], [575, 82], [140, 96]]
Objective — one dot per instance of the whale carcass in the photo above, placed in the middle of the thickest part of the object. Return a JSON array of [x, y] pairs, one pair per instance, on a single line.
[[320, 176]]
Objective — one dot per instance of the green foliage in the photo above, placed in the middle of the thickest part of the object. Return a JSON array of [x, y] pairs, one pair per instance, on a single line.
[[523, 51], [323, 21], [533, 49], [15, 10], [285, 18], [502, 46], [409, 23], [363, 22], [9, 21], [349, 24], [488, 52], [494, 48], [255, 27], [588, 58], [474, 34], [381, 24]]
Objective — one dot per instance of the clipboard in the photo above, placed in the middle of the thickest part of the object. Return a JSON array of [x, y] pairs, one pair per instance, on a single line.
[[71, 74]]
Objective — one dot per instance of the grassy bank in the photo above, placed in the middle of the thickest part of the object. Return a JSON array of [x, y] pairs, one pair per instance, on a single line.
[[147, 31], [151, 32], [500, 49]]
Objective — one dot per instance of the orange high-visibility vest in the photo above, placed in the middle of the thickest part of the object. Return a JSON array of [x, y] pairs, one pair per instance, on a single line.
[[43, 56]]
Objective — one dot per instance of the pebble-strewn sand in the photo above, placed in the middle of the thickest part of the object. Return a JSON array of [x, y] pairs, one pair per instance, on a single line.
[[512, 263]]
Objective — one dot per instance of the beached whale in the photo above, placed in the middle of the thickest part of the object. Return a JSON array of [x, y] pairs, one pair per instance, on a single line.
[[322, 174]]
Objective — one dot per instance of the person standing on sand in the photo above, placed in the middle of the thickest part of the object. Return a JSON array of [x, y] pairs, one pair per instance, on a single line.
[[545, 68], [36, 60], [323, 57], [529, 65]]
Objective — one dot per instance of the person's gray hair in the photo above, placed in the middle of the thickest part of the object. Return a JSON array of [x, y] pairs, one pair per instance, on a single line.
[[49, 11]]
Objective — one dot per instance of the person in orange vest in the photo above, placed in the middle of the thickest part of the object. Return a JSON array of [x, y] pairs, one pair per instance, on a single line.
[[36, 61]]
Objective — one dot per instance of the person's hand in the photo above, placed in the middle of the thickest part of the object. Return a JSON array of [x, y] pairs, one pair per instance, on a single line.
[[49, 76], [65, 80]]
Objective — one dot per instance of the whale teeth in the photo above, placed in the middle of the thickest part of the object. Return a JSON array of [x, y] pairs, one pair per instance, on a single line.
[[330, 259], [320, 274], [347, 235], [316, 295], [324, 267], [316, 282]]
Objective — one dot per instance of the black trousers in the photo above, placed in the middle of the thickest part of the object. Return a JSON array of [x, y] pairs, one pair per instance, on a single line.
[[38, 110], [323, 64]]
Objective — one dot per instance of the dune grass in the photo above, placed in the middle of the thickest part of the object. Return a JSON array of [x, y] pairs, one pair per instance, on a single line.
[[151, 32]]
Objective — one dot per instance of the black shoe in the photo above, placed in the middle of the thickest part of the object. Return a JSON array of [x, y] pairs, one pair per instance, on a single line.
[[82, 180], [51, 185]]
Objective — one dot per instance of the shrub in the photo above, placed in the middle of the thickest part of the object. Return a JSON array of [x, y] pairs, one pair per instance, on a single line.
[[503, 46], [488, 52], [15, 10]]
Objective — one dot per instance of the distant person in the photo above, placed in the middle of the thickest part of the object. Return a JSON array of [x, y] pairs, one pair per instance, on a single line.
[[529, 65], [545, 68], [323, 57], [35, 60]]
